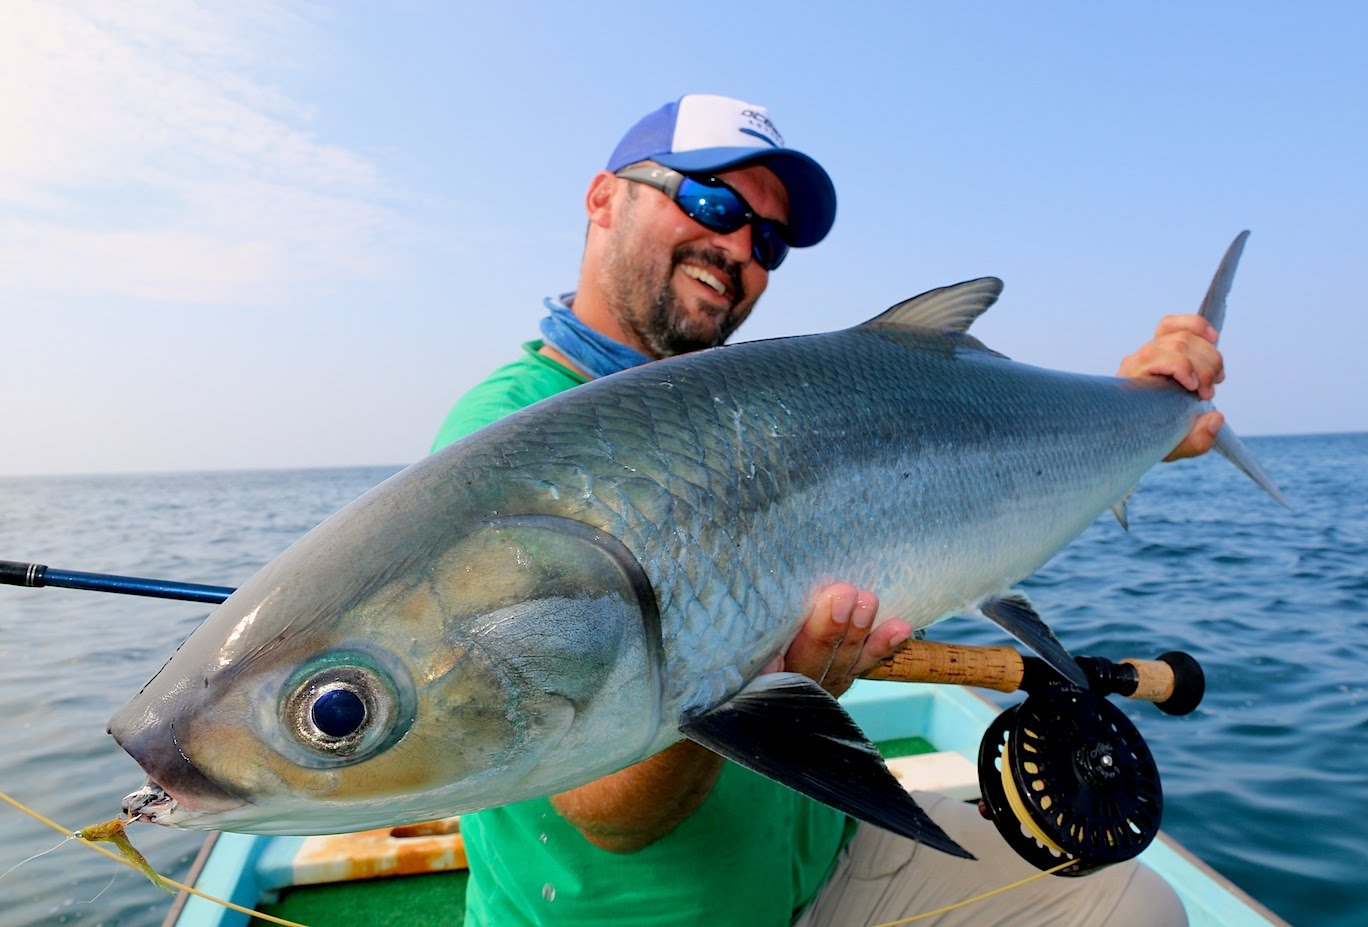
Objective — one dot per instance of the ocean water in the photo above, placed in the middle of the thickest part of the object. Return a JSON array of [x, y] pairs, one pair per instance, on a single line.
[[1267, 781]]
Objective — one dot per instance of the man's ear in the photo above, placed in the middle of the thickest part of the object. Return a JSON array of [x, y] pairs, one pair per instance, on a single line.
[[598, 201]]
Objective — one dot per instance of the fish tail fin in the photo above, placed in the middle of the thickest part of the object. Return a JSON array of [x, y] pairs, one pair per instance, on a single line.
[[1237, 452], [1213, 310], [1214, 303]]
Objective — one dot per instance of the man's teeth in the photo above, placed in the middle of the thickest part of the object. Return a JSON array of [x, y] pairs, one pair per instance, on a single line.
[[702, 276]]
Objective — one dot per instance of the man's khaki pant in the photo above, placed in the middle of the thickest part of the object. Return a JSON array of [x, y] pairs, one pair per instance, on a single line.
[[882, 877]]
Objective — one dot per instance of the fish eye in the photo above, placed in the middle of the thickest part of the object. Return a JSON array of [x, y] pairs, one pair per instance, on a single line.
[[338, 712], [341, 709]]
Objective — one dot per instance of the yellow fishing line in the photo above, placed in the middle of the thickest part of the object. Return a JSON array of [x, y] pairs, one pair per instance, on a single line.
[[968, 901], [1018, 806], [130, 864]]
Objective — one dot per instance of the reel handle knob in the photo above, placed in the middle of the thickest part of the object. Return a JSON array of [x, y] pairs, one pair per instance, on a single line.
[[1174, 682], [1189, 683]]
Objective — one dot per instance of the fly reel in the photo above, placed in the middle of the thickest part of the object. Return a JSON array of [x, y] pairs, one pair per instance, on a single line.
[[1066, 775]]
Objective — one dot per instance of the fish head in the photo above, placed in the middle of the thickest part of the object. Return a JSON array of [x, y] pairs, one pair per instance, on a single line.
[[375, 674]]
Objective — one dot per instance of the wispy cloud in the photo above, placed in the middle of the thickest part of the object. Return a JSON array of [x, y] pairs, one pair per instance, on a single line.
[[146, 153]]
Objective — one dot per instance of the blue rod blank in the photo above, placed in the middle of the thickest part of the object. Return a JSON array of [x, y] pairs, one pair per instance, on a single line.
[[36, 575]]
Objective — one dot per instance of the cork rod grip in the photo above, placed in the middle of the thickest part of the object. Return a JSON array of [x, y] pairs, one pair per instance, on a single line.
[[998, 668]]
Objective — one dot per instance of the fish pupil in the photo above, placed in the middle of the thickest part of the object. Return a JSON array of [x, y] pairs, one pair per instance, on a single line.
[[339, 712]]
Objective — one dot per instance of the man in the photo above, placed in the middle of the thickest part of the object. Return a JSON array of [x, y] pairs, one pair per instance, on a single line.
[[699, 203]]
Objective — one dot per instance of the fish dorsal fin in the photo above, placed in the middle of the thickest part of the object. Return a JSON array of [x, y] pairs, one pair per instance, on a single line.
[[948, 309]]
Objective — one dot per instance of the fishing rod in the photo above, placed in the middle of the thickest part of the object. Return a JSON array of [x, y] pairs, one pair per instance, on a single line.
[[1065, 775], [1173, 682], [37, 575]]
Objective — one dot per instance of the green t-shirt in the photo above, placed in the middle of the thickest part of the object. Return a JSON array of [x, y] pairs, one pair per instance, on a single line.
[[531, 378], [753, 855]]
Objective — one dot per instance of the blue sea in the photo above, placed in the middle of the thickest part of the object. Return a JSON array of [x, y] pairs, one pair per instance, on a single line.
[[1267, 781]]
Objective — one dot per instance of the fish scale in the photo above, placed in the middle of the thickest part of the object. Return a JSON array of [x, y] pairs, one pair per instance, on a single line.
[[1029, 455], [973, 437]]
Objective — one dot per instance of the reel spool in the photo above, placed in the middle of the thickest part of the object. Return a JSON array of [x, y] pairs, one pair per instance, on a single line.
[[1066, 775]]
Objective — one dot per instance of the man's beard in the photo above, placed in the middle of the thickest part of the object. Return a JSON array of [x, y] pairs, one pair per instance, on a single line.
[[645, 302]]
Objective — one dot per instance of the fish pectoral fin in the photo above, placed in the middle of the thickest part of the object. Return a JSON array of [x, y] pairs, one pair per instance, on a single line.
[[1015, 614], [789, 729]]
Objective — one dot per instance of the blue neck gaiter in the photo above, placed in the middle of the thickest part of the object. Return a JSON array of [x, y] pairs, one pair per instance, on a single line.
[[594, 353]]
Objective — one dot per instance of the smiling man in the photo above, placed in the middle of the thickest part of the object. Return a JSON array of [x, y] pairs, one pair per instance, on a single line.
[[698, 204]]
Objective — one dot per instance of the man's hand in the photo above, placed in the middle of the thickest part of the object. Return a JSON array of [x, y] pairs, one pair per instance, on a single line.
[[1184, 349], [836, 643]]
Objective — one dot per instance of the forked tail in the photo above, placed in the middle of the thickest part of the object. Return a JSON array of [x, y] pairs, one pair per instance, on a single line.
[[1213, 310]]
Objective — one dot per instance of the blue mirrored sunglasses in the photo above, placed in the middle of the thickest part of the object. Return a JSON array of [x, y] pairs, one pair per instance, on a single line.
[[714, 205]]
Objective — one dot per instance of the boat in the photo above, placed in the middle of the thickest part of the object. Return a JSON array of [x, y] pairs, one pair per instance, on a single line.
[[414, 875]]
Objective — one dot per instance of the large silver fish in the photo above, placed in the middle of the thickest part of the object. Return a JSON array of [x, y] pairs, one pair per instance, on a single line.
[[589, 580]]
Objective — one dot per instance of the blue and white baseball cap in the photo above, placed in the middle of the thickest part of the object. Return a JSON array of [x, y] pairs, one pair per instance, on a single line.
[[701, 133]]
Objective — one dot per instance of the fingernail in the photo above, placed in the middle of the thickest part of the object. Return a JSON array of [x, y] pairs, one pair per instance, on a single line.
[[863, 617], [897, 640]]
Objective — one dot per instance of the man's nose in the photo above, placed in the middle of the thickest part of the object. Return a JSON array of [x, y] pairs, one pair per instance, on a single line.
[[737, 245]]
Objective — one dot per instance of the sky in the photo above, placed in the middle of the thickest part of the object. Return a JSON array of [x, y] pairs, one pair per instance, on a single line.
[[269, 234]]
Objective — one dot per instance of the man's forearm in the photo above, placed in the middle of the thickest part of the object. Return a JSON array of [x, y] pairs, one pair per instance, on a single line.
[[634, 807]]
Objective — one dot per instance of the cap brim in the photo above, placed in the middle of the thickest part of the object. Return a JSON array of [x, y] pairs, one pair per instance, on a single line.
[[812, 196]]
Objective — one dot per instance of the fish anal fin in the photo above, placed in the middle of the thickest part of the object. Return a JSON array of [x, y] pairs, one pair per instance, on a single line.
[[789, 729], [1121, 509], [1015, 614]]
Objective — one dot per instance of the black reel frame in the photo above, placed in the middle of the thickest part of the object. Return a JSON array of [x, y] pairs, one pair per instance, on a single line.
[[1066, 775]]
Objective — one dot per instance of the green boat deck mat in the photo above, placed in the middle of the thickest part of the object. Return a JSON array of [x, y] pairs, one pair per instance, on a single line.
[[432, 900]]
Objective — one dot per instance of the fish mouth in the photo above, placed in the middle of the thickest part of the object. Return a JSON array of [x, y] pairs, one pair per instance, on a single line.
[[176, 789], [153, 804]]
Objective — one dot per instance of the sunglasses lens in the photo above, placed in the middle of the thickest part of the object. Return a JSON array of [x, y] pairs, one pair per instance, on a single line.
[[722, 209], [718, 208], [769, 246]]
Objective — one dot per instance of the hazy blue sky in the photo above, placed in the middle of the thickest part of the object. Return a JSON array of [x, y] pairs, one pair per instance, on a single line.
[[259, 234]]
